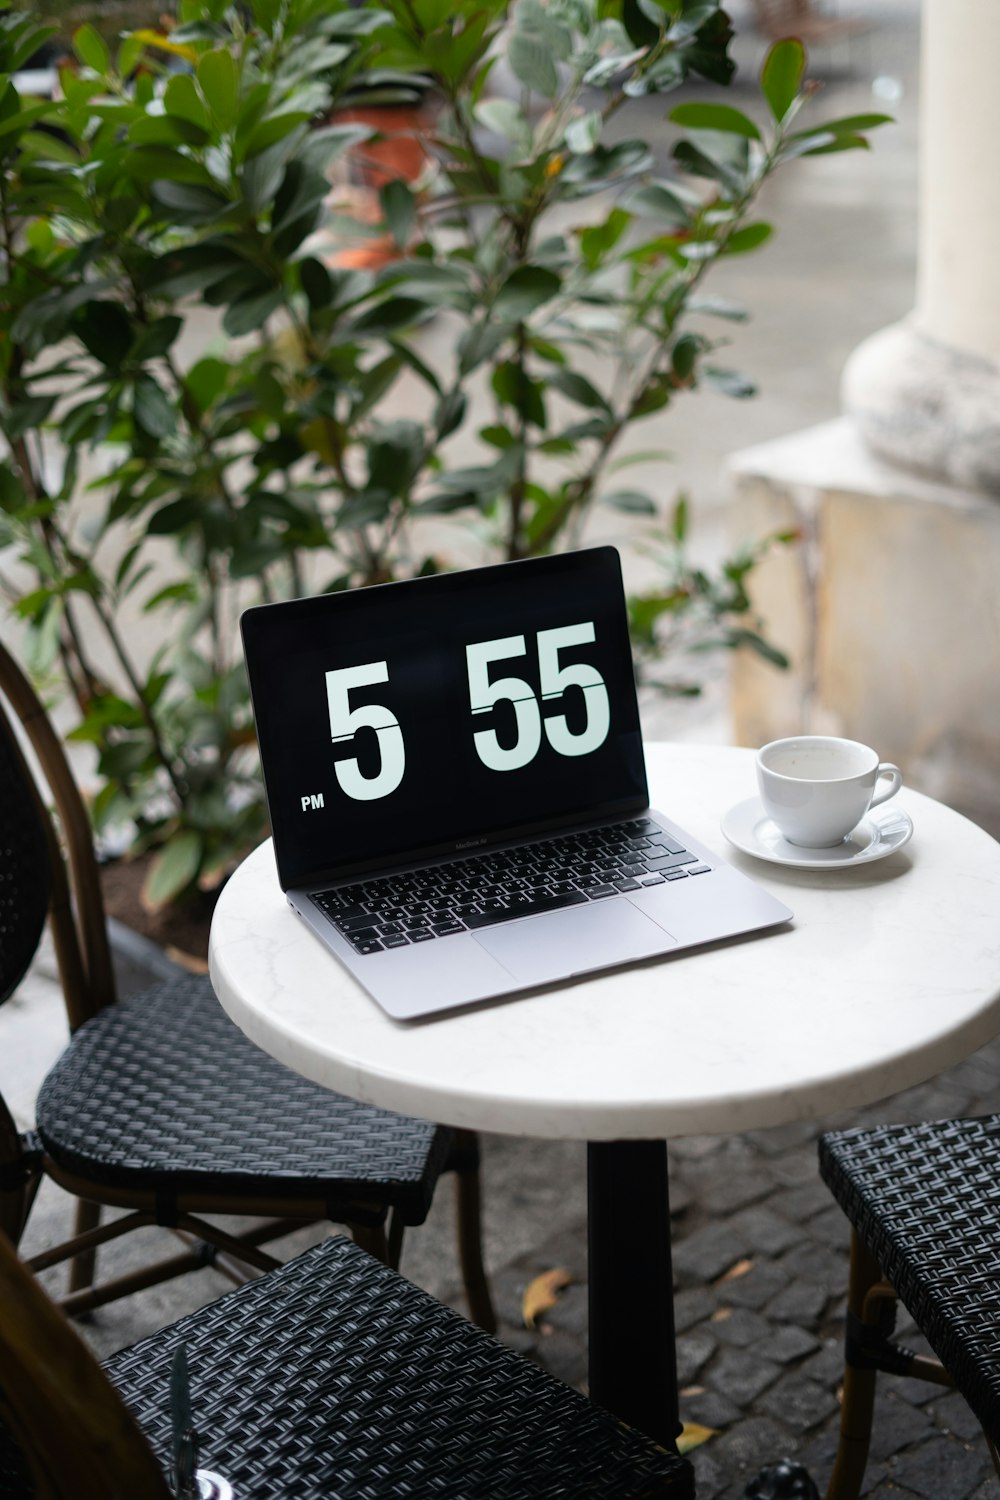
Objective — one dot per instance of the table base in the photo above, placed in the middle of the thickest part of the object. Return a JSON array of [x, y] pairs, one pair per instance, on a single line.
[[633, 1363]]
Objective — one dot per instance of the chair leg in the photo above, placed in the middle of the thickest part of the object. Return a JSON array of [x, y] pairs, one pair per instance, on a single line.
[[371, 1237], [994, 1454], [863, 1313], [83, 1266], [394, 1241], [468, 1215], [15, 1207]]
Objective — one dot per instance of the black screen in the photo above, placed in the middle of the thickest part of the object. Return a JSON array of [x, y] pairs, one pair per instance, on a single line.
[[412, 718]]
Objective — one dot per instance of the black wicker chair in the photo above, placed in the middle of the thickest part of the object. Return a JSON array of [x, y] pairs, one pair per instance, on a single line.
[[924, 1202], [159, 1104], [329, 1377]]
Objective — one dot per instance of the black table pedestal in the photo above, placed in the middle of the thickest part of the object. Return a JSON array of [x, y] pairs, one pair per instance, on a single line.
[[633, 1364]]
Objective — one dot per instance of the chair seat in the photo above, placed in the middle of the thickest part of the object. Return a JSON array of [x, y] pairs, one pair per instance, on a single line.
[[925, 1200], [164, 1083], [335, 1377]]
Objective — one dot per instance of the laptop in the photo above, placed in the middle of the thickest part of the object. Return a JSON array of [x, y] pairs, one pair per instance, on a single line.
[[456, 786]]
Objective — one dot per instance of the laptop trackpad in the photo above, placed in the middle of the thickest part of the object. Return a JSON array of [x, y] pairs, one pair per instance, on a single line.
[[575, 941]]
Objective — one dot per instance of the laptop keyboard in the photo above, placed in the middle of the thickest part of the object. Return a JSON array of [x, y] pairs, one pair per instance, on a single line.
[[392, 911]]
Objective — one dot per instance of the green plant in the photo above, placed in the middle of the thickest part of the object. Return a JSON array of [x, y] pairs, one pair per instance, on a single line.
[[183, 177]]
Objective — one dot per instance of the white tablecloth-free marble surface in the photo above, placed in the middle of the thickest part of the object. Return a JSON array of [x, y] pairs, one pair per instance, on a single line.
[[888, 974]]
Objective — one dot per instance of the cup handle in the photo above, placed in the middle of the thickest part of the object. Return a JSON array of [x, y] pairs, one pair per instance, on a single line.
[[886, 768]]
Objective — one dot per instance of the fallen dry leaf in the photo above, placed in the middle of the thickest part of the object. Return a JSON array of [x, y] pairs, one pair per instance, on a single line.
[[543, 1293], [693, 1434], [740, 1268], [693, 1390]]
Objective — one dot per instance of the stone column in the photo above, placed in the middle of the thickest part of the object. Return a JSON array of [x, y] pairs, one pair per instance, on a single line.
[[925, 392], [890, 606]]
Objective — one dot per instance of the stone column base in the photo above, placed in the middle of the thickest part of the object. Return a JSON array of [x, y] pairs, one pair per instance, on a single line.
[[889, 608], [926, 406]]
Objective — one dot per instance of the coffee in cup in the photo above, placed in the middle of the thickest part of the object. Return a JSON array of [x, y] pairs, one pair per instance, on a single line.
[[817, 788]]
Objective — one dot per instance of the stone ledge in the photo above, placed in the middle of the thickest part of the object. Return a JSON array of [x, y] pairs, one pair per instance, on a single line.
[[889, 609]]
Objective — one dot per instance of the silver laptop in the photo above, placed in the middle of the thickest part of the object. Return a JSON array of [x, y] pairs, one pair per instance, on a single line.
[[456, 785]]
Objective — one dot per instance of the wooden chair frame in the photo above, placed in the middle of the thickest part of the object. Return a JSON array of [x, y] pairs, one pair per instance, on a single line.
[[79, 929]]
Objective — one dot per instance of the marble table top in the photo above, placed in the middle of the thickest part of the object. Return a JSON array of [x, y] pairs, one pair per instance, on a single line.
[[889, 973]]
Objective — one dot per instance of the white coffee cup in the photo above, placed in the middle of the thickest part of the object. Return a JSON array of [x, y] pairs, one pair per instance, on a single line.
[[817, 788]]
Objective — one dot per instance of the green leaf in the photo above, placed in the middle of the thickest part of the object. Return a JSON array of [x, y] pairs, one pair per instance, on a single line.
[[399, 209], [151, 407], [633, 502], [504, 118], [219, 82], [249, 313], [22, 41], [781, 75], [577, 387], [147, 163], [656, 201], [583, 133], [104, 328], [173, 517], [206, 381], [390, 316], [641, 30], [27, 414], [441, 503], [12, 495], [597, 239], [190, 202], [747, 237], [129, 54], [316, 283], [192, 268], [849, 125], [717, 307], [645, 610], [416, 364], [684, 355], [91, 48], [679, 521], [828, 145], [730, 383], [154, 341], [181, 99], [715, 117], [276, 130], [525, 289], [514, 387], [497, 435], [700, 164], [42, 643], [262, 176], [449, 413], [757, 643], [366, 508], [531, 63], [174, 869], [166, 130]]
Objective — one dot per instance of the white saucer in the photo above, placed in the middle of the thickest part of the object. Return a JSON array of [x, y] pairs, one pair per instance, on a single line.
[[878, 834]]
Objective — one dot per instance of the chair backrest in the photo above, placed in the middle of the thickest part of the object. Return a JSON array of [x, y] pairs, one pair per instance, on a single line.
[[70, 883], [70, 1426], [24, 868]]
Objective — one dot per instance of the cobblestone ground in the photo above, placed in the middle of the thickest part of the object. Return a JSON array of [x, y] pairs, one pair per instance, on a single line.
[[759, 1352]]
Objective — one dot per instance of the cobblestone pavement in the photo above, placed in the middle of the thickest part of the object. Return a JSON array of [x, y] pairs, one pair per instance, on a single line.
[[759, 1353]]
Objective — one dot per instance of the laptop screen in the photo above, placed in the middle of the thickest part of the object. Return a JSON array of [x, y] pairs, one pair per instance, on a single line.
[[442, 713]]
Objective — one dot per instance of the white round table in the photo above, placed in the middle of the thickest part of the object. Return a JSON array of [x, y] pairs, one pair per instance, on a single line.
[[889, 973]]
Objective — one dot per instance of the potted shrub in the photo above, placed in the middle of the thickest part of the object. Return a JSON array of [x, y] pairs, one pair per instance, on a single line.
[[180, 183]]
